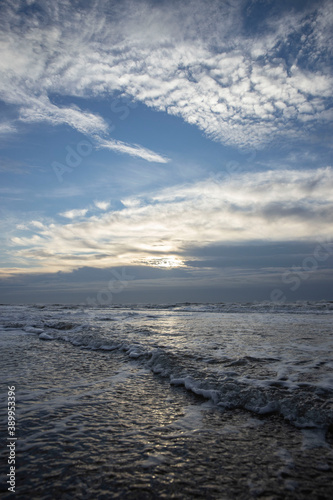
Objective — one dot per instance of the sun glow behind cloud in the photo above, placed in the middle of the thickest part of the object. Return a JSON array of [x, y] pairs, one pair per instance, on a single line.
[[156, 230], [255, 77], [166, 262]]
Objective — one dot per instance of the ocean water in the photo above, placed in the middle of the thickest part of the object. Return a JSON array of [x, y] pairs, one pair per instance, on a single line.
[[227, 401]]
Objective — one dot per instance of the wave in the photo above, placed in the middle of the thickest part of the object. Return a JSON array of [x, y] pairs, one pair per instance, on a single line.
[[271, 364], [299, 307], [305, 405]]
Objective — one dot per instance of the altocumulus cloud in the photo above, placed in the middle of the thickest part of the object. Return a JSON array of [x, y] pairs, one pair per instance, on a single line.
[[271, 206], [73, 214], [198, 60]]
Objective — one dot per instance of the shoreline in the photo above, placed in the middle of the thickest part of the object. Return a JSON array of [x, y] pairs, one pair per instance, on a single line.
[[95, 425]]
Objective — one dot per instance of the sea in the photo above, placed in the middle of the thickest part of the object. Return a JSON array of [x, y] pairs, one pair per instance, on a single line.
[[211, 401]]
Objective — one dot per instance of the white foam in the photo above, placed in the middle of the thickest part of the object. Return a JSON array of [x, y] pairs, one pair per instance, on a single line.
[[108, 347], [45, 336], [252, 356], [32, 329], [193, 386]]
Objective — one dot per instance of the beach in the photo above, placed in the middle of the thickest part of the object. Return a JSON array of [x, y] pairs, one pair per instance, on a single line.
[[175, 401]]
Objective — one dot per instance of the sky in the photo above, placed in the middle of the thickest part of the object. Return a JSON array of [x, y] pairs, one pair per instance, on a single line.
[[166, 151]]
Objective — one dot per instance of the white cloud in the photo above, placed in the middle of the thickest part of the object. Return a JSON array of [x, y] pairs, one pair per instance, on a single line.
[[284, 205], [192, 59], [102, 205], [7, 128], [132, 150], [73, 214], [37, 223], [43, 110]]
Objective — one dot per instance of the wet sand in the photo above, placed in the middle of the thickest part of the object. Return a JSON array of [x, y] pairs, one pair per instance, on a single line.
[[93, 425]]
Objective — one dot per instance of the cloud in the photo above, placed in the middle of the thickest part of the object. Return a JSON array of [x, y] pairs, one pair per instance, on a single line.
[[7, 128], [43, 110], [205, 62], [132, 150], [102, 205], [268, 206], [73, 214]]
